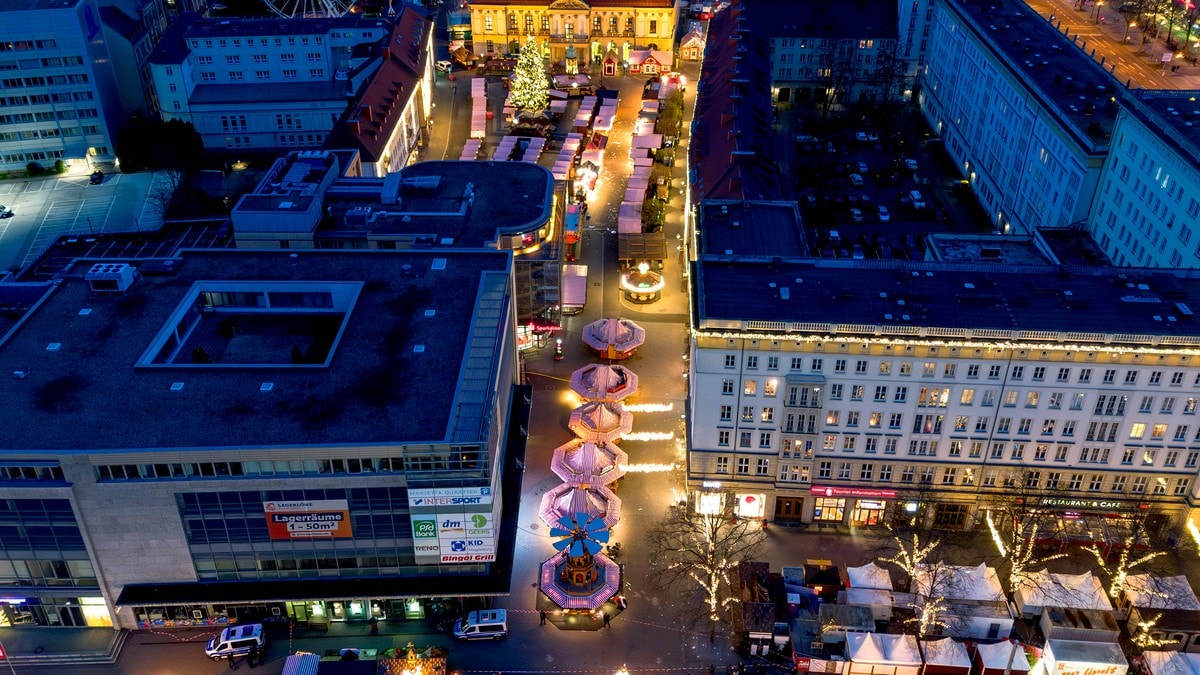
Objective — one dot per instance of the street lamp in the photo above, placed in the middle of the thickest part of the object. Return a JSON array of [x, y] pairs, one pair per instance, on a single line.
[[1096, 14]]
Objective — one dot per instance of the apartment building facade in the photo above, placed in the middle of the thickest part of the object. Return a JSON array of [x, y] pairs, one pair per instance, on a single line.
[[1147, 206], [60, 98], [1025, 116], [838, 396], [263, 83], [822, 53], [598, 29]]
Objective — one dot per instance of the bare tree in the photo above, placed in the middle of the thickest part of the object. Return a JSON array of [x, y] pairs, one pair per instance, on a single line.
[[931, 581], [912, 552], [1018, 523], [1117, 571], [890, 72], [164, 185], [698, 549], [836, 70]]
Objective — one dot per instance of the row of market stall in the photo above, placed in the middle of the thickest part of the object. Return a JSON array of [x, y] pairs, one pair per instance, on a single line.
[[519, 148], [479, 109]]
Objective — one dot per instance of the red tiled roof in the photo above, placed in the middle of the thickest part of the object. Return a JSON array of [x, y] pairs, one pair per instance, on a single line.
[[731, 142], [372, 119]]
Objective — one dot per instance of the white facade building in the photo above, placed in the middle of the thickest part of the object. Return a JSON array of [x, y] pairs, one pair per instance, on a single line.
[[59, 95], [1023, 113], [263, 83], [823, 393], [1147, 210]]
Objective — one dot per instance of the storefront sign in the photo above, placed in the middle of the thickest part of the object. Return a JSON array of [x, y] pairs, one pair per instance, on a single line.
[[751, 506], [453, 525], [323, 518], [464, 558], [830, 491], [450, 497], [1088, 669], [1099, 504]]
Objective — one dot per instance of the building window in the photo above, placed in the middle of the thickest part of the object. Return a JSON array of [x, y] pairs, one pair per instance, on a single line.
[[761, 467], [723, 437], [743, 466], [722, 465]]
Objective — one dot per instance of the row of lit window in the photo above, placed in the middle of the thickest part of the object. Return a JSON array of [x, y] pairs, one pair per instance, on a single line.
[[465, 459]]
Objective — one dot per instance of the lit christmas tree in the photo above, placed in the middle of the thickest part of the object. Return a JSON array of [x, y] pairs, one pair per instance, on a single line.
[[527, 86]]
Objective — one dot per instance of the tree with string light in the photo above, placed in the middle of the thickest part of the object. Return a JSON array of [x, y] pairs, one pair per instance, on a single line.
[[697, 547], [528, 84]]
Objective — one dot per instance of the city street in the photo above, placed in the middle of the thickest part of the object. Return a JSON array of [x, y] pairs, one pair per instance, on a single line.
[[1098, 29]]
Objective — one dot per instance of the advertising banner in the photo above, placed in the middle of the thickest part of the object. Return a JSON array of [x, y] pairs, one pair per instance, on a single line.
[[473, 496], [323, 518], [453, 525]]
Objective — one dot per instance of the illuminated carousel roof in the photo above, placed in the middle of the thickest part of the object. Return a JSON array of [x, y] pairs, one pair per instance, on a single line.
[[598, 382], [569, 499], [614, 335], [600, 421], [586, 463]]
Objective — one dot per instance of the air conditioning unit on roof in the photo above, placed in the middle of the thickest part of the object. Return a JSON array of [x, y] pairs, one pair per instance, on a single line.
[[110, 277]]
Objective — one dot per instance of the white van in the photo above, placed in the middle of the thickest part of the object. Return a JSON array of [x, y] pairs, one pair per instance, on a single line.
[[918, 201], [491, 624], [236, 640]]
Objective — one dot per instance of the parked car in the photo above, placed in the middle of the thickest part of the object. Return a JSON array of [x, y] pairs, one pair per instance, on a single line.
[[857, 216], [863, 168], [6, 212], [443, 66], [858, 253], [910, 164], [860, 136], [884, 215], [235, 641], [856, 179], [96, 178]]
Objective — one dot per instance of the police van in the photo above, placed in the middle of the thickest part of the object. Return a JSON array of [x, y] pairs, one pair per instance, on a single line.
[[236, 641], [489, 624]]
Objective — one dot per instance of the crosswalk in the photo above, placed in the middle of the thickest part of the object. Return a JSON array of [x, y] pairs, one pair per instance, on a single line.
[[69, 216]]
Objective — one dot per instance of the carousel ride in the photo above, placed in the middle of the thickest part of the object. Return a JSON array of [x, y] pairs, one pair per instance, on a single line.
[[580, 577]]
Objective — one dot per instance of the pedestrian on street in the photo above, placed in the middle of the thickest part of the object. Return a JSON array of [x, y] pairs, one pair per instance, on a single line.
[[253, 656], [607, 618], [229, 658], [542, 615]]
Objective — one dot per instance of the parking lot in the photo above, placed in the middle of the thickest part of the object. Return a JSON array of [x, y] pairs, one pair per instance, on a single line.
[[45, 208], [869, 192]]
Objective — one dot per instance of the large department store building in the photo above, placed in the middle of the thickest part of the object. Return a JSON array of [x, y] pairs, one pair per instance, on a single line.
[[835, 393], [241, 435]]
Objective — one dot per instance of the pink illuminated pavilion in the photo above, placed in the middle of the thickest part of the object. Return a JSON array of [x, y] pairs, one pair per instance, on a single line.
[[569, 499], [600, 421], [596, 382], [585, 463], [614, 338]]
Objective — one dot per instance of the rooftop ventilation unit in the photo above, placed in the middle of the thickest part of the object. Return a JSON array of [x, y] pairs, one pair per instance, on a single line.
[[110, 277]]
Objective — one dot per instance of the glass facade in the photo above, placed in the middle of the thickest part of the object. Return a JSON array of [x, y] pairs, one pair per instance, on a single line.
[[228, 536], [44, 567]]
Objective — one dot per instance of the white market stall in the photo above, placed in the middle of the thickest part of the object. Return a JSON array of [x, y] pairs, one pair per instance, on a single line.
[[1171, 663], [955, 582], [870, 576], [1000, 658], [1075, 591], [1154, 592], [945, 657], [629, 220], [877, 600], [1073, 657], [882, 654]]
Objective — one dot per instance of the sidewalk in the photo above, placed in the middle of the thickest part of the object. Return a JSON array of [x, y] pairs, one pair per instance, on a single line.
[[52, 646]]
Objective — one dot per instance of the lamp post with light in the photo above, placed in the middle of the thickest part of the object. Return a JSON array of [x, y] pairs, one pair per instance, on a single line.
[[4, 655]]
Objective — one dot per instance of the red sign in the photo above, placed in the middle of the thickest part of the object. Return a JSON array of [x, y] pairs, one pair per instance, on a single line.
[[322, 518], [830, 491], [802, 663]]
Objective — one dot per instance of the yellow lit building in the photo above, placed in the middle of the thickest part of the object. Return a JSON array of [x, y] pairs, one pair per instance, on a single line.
[[604, 32]]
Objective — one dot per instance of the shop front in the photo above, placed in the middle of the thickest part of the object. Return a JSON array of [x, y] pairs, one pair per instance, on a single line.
[[310, 613], [72, 611], [853, 506], [1109, 524]]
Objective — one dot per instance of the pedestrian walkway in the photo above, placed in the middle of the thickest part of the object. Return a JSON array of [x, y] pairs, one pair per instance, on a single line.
[[53, 646]]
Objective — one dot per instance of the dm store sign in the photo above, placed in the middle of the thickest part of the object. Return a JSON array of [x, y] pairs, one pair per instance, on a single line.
[[321, 519]]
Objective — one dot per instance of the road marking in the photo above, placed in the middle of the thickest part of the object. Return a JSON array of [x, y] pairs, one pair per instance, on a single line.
[[66, 216]]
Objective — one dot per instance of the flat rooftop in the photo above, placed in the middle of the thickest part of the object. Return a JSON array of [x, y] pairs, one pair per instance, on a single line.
[[1132, 305], [1070, 82], [987, 249], [386, 360], [751, 228], [471, 204], [278, 92]]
